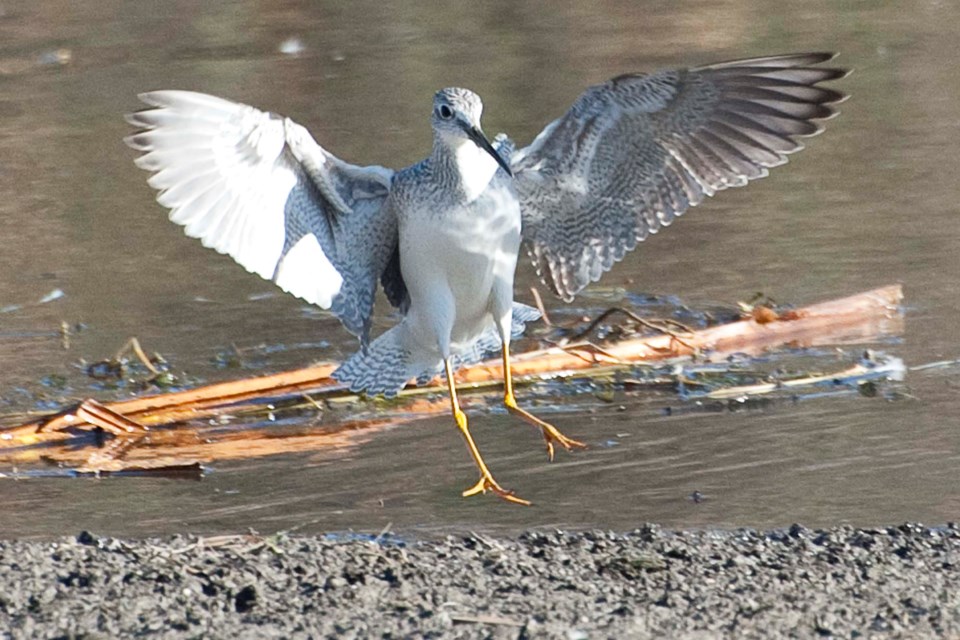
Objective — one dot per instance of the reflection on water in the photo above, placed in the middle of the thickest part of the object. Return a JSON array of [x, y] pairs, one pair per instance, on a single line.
[[869, 203]]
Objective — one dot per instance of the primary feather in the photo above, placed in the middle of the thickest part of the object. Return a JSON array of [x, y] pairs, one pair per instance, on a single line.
[[637, 151]]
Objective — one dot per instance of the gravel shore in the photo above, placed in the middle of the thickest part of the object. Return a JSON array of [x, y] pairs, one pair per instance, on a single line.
[[842, 582]]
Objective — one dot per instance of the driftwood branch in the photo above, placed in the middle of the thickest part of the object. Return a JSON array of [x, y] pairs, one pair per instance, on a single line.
[[144, 424]]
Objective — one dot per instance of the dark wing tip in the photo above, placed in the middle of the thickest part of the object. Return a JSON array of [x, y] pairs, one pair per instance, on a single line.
[[784, 60], [137, 119], [716, 126]]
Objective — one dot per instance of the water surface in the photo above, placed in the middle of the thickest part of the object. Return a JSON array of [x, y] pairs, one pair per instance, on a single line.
[[871, 202]]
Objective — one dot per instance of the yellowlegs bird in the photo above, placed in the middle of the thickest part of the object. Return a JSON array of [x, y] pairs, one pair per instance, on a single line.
[[442, 236]]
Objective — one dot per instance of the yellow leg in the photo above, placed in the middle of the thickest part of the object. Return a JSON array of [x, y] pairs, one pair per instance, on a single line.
[[550, 433], [486, 481]]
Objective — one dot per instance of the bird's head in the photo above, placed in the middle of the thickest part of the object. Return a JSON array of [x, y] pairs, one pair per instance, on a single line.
[[456, 118]]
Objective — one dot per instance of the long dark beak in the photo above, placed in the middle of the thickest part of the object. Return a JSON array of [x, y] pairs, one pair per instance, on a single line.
[[475, 134]]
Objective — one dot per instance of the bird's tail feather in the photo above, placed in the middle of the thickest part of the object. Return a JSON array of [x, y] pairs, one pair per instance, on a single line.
[[389, 363], [384, 367]]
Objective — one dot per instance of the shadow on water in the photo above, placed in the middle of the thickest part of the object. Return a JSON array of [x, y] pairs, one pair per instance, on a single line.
[[869, 203]]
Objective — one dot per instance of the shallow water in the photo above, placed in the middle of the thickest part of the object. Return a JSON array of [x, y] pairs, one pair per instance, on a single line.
[[871, 202]]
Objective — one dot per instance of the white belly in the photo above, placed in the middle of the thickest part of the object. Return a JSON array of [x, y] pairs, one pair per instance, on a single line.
[[457, 264]]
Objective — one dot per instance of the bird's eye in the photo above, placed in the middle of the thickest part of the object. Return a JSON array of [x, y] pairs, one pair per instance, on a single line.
[[445, 112]]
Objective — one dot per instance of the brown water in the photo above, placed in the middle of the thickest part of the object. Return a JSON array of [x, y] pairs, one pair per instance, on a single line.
[[871, 202]]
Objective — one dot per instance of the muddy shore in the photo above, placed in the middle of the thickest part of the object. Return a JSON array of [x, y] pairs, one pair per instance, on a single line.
[[843, 582]]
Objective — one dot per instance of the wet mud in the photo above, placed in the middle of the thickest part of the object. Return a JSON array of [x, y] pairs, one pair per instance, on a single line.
[[797, 582]]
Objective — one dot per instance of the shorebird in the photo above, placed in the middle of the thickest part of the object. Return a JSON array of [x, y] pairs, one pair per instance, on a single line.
[[442, 237]]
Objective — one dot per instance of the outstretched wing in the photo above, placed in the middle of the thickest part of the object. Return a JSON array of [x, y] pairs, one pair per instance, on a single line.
[[639, 150], [257, 187]]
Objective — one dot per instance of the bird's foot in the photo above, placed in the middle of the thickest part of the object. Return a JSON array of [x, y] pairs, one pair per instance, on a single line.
[[550, 433], [487, 483]]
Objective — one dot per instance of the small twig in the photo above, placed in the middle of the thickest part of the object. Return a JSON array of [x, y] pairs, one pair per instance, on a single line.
[[92, 412], [543, 310], [64, 335], [134, 345], [646, 323], [107, 419], [489, 544], [592, 349], [317, 405], [230, 541], [382, 533], [891, 369], [940, 364]]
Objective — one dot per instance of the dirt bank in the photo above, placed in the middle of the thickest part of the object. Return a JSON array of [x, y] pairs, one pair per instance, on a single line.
[[843, 582]]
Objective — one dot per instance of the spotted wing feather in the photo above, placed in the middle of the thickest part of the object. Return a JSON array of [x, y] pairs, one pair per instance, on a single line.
[[635, 152]]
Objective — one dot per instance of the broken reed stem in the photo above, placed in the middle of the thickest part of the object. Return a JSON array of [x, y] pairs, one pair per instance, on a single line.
[[856, 318], [134, 345], [655, 325]]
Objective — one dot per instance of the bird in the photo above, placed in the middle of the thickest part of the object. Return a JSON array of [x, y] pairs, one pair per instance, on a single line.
[[443, 236]]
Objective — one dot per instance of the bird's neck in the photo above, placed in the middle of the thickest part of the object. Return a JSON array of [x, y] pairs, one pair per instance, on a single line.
[[466, 164]]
